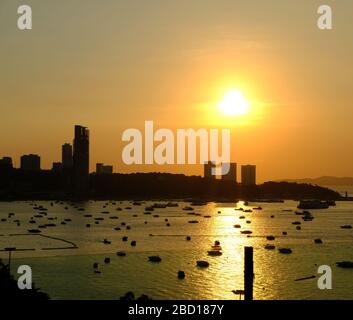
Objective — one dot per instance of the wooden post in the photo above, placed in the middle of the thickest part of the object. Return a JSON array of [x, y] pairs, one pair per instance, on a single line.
[[248, 273]]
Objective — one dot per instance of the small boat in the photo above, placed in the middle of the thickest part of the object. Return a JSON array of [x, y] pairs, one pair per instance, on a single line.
[[159, 205], [34, 231], [237, 226], [214, 253], [270, 247], [202, 264], [257, 208], [105, 241], [121, 254], [242, 217], [181, 274], [133, 243], [346, 226], [95, 265], [270, 238], [124, 239], [193, 221], [154, 259], [318, 241], [107, 260], [188, 238], [187, 208], [172, 204], [246, 232], [296, 222], [285, 250], [345, 264]]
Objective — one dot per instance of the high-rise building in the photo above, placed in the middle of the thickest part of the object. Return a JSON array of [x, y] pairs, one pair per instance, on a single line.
[[66, 156], [248, 175], [81, 161], [231, 175], [207, 170], [6, 163], [30, 162], [103, 169], [57, 166]]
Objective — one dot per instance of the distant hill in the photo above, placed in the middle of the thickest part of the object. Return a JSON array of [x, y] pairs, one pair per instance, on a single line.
[[324, 181]]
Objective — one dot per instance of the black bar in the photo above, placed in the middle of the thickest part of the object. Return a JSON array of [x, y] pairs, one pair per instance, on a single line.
[[248, 273]]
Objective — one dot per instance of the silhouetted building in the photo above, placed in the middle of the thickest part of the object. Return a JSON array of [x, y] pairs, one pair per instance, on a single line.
[[57, 166], [231, 175], [103, 169], [81, 161], [207, 170], [30, 162], [6, 163], [248, 175], [66, 156]]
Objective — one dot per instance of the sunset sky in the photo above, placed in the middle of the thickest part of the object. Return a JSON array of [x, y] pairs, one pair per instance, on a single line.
[[110, 65]]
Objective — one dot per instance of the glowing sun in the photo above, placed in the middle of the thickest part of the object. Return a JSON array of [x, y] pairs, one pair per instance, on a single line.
[[234, 104]]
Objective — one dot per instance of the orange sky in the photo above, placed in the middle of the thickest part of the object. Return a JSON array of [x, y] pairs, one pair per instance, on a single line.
[[111, 66]]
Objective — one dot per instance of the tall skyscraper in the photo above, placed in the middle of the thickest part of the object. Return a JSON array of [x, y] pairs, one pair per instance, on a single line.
[[248, 175], [66, 156], [207, 170], [231, 175], [30, 162], [81, 161]]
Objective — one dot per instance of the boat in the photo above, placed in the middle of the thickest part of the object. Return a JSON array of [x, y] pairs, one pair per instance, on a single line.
[[270, 238], [237, 226], [133, 243], [345, 264], [187, 208], [214, 253], [346, 226], [198, 203], [202, 264], [107, 260], [270, 247], [172, 204], [34, 231], [121, 254], [181, 274], [318, 241], [154, 259], [296, 222], [159, 205], [105, 241], [313, 204], [285, 250], [246, 232], [193, 221]]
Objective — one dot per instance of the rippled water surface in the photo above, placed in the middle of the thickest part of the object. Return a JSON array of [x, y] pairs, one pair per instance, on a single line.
[[66, 272]]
